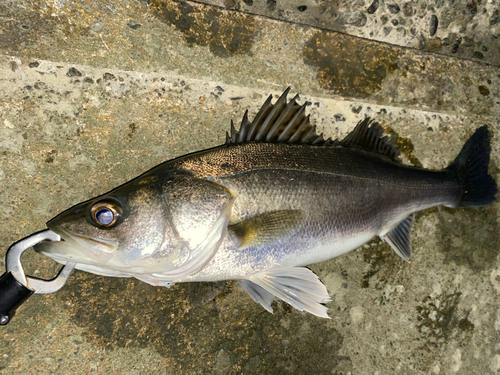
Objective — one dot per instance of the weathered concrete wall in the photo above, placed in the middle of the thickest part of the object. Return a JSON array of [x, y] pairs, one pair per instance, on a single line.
[[467, 29], [94, 93]]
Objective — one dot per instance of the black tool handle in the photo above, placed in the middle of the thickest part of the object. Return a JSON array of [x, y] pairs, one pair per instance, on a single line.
[[12, 295]]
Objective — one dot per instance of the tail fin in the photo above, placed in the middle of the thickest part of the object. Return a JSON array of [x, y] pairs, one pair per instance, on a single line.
[[471, 166]]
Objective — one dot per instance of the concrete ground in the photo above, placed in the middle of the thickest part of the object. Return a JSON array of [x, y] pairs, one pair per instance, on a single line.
[[92, 93]]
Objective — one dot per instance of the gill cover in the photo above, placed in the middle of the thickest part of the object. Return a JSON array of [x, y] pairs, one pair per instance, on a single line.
[[199, 214]]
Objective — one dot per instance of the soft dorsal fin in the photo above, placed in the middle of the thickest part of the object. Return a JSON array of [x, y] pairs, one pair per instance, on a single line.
[[369, 135], [281, 122]]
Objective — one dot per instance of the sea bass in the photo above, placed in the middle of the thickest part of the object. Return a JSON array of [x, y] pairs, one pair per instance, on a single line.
[[273, 199]]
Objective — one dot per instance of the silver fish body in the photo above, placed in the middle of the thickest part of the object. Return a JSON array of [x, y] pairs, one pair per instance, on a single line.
[[346, 196], [276, 197]]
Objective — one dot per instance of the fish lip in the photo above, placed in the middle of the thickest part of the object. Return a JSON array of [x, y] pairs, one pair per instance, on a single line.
[[88, 250], [68, 236], [108, 243], [60, 232]]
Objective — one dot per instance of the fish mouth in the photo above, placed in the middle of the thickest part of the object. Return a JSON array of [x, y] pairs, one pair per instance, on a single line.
[[78, 248], [101, 242]]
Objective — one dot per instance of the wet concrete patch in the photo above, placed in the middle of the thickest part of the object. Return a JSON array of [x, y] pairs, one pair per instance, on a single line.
[[230, 333], [470, 237], [22, 32], [382, 262], [225, 33], [385, 269], [440, 321], [347, 67]]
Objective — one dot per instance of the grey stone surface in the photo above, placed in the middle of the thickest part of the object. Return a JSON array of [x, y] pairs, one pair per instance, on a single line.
[[467, 29], [94, 93]]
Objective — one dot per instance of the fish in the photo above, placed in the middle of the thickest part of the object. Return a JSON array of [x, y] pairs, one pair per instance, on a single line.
[[274, 199]]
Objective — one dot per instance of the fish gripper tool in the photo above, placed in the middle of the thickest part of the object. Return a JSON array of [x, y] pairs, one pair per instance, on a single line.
[[16, 287]]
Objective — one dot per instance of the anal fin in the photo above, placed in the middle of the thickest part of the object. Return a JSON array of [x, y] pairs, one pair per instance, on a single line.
[[154, 282], [297, 286], [399, 238]]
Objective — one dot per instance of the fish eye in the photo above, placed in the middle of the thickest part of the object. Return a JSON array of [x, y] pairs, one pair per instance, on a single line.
[[106, 213]]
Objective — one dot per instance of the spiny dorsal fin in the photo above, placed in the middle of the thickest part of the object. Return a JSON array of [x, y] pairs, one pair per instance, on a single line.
[[281, 122], [286, 122], [368, 135]]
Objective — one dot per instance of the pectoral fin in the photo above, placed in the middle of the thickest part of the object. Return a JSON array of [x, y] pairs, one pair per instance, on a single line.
[[399, 238], [266, 228], [297, 286]]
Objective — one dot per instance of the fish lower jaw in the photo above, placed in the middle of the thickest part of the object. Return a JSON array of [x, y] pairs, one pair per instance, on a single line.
[[62, 259], [100, 270], [84, 265], [64, 251]]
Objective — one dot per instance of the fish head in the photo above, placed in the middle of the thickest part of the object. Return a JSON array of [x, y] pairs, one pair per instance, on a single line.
[[149, 225], [113, 230]]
